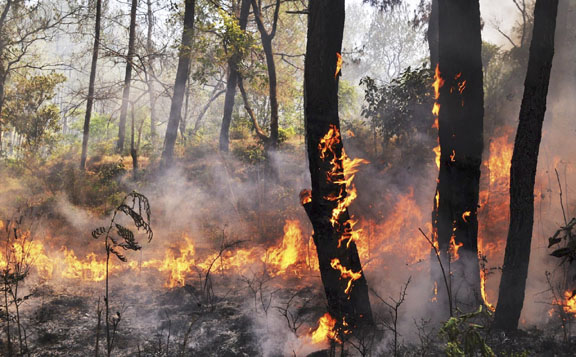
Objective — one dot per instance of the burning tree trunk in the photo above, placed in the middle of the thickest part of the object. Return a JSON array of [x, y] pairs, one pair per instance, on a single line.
[[90, 99], [523, 168], [344, 282], [127, 78], [182, 73], [460, 110], [232, 82]]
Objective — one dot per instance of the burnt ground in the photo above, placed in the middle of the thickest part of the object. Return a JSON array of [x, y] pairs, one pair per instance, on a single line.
[[239, 317]]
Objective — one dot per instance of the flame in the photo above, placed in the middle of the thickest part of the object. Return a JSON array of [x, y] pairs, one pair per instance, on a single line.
[[466, 215], [287, 253], [325, 330], [569, 305], [438, 83], [92, 269], [453, 156], [454, 247], [338, 64], [345, 273], [435, 297]]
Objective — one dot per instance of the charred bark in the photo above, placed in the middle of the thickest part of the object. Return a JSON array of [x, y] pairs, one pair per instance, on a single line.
[[523, 168], [432, 34], [127, 78], [325, 30], [461, 100], [232, 82], [90, 99], [182, 73]]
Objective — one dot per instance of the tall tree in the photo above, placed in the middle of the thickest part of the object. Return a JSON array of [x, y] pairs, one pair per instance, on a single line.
[[432, 34], [267, 37], [127, 77], [460, 120], [232, 82], [182, 73], [149, 69], [22, 25], [90, 99], [523, 168], [344, 282]]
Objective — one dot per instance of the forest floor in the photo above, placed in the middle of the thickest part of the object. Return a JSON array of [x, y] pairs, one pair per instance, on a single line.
[[247, 313]]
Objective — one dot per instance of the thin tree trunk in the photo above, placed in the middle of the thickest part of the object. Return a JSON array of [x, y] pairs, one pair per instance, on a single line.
[[523, 168], [133, 149], [349, 302], [267, 37], [461, 100], [261, 135], [214, 96], [90, 100], [180, 83], [127, 78], [233, 62], [3, 74], [150, 64]]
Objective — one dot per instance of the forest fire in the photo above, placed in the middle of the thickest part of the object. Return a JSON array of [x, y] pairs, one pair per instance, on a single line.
[[325, 330], [569, 305]]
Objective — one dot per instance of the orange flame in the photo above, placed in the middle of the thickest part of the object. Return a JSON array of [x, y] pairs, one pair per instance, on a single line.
[[345, 273], [325, 330], [569, 302], [338, 64]]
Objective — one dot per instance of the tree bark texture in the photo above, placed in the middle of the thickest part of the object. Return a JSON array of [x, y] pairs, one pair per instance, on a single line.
[[347, 299], [460, 120], [182, 74], [90, 99], [232, 82], [523, 168]]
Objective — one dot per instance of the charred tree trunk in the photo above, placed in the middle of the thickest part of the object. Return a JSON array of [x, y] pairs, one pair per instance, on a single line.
[[127, 78], [432, 34], [523, 168], [460, 119], [347, 298], [90, 99], [232, 82], [267, 37], [180, 83]]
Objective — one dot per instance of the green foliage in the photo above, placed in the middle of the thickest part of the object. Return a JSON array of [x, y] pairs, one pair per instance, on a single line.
[[251, 154], [28, 108], [401, 107], [463, 337], [285, 134]]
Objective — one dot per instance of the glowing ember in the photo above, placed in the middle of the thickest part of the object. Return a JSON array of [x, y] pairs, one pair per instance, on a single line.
[[325, 331]]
